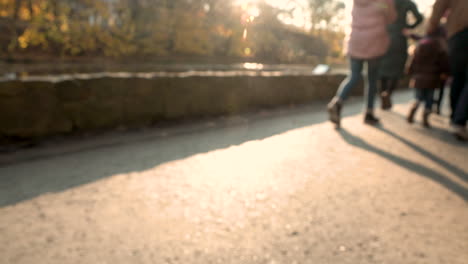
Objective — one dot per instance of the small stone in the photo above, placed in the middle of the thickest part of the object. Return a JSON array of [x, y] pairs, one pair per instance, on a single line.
[[295, 233]]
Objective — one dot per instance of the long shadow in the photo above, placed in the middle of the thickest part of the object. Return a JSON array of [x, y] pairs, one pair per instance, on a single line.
[[32, 177], [37, 175], [455, 170], [435, 132], [422, 170]]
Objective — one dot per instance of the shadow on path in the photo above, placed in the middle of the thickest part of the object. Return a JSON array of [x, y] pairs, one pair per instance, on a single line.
[[412, 166], [78, 163], [453, 169], [441, 134], [25, 177]]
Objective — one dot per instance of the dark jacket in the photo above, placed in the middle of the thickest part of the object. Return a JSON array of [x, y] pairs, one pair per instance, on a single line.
[[429, 64], [394, 62]]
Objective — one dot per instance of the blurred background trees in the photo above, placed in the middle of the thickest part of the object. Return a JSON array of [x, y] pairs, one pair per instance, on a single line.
[[145, 29]]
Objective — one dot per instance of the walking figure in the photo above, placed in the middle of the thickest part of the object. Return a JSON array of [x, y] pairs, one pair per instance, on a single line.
[[428, 69], [369, 41]]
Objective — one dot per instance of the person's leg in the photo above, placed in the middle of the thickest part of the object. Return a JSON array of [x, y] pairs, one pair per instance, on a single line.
[[460, 117], [428, 98], [353, 79], [459, 64], [418, 98], [428, 95], [393, 85], [440, 97], [383, 84], [372, 79], [387, 94], [371, 90], [334, 107]]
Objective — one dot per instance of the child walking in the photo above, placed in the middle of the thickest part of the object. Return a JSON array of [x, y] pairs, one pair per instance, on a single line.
[[429, 67]]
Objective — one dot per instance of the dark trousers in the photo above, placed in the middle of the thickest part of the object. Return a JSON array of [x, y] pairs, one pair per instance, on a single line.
[[440, 95], [426, 96], [458, 45], [388, 84]]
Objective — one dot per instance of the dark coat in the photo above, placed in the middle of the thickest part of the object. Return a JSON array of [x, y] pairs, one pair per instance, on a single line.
[[429, 64], [394, 62]]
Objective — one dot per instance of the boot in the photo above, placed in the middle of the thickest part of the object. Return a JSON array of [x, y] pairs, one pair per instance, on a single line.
[[460, 132], [386, 100], [334, 111], [370, 119], [412, 112], [426, 115]]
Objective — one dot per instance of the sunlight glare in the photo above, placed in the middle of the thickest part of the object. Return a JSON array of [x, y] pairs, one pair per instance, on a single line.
[[249, 7], [253, 66]]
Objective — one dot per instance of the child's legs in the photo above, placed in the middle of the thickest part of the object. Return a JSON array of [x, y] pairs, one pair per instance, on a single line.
[[440, 95], [428, 98], [418, 95], [372, 81], [352, 80]]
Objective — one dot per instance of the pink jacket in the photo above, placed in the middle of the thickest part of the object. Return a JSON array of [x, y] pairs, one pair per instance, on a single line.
[[369, 37]]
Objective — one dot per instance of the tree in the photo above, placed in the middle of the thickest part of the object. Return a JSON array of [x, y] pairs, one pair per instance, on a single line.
[[324, 14]]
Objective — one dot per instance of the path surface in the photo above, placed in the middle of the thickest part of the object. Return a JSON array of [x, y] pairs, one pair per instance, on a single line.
[[274, 187]]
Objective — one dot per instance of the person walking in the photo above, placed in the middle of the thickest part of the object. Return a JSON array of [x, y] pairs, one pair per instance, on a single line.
[[457, 27], [394, 62], [368, 42], [429, 67]]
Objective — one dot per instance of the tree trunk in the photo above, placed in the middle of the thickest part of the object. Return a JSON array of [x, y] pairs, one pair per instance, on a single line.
[[14, 26], [30, 8], [16, 9]]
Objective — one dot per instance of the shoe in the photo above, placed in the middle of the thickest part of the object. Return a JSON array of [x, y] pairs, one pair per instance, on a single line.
[[386, 101], [426, 115], [370, 119], [411, 114], [334, 112], [460, 132]]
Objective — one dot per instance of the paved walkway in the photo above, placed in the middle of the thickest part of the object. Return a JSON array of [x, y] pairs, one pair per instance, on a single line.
[[274, 187]]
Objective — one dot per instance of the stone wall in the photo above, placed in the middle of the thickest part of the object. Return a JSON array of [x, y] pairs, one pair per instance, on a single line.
[[39, 108]]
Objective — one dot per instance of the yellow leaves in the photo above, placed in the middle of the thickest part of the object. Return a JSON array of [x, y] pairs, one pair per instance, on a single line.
[[23, 42], [31, 37], [64, 27]]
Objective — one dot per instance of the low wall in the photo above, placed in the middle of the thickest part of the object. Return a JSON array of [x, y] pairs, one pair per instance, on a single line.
[[39, 108]]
